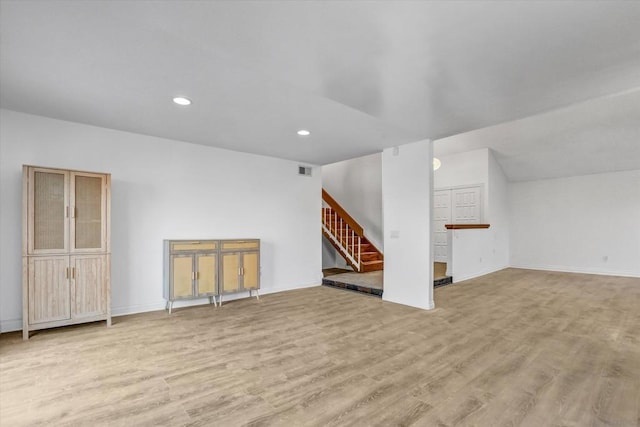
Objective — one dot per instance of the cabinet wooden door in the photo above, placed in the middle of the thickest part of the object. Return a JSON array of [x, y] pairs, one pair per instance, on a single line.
[[230, 272], [87, 212], [206, 274], [250, 270], [49, 289], [88, 285], [182, 275], [240, 271], [48, 211]]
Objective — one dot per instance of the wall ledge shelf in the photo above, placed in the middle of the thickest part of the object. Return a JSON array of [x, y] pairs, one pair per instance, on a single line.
[[465, 226]]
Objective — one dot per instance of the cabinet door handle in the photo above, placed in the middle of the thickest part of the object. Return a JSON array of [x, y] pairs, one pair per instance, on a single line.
[[73, 272], [197, 275], [66, 273], [193, 276]]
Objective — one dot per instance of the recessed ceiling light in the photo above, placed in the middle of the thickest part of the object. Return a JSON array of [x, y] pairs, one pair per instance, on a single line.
[[436, 163], [182, 101], [303, 132]]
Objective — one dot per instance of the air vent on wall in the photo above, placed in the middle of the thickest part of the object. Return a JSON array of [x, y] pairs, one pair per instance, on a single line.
[[304, 170]]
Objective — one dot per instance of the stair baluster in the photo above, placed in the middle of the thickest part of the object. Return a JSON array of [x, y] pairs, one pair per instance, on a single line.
[[346, 235]]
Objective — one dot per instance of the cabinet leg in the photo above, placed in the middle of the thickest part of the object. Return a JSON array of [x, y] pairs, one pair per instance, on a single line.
[[220, 300], [109, 322], [170, 306], [257, 295], [25, 334]]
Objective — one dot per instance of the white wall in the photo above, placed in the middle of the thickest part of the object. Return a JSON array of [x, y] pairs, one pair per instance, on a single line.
[[357, 185], [572, 224], [497, 214], [473, 253], [407, 181], [162, 189], [328, 254], [463, 169], [477, 252]]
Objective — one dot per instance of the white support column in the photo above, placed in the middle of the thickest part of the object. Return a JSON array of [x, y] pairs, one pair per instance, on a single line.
[[407, 187]]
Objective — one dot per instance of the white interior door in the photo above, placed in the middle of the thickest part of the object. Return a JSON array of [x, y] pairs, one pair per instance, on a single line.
[[441, 216]]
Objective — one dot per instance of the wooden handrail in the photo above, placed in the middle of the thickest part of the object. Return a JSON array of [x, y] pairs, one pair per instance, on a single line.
[[342, 213], [465, 226]]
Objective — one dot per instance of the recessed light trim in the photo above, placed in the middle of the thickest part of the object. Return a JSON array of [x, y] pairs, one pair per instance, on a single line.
[[304, 132], [182, 101]]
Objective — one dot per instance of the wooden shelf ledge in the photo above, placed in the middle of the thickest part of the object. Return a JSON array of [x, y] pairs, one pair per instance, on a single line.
[[465, 226]]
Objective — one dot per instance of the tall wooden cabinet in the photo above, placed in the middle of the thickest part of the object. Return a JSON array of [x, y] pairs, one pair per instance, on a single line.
[[65, 247]]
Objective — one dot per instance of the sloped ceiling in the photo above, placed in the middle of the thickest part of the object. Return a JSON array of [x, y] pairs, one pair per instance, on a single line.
[[596, 136], [361, 76]]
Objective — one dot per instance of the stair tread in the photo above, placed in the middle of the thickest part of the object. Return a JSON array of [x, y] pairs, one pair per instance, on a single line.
[[335, 228]]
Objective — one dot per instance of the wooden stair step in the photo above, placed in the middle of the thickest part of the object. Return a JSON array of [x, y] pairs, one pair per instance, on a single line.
[[371, 265], [370, 256]]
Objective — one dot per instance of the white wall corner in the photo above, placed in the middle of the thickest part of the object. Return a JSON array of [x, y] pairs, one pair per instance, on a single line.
[[407, 186]]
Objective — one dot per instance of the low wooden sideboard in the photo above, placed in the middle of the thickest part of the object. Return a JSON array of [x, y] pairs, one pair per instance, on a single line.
[[210, 268]]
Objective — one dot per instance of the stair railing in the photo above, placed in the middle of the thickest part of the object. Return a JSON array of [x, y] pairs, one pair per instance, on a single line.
[[342, 229]]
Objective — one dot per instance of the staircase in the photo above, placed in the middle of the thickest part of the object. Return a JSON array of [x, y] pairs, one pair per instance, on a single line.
[[347, 236]]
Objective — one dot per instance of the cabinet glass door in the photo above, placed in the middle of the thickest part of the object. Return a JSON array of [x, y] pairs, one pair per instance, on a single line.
[[48, 208], [87, 212], [206, 274]]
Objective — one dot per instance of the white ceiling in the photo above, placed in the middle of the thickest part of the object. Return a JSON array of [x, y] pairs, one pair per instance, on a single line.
[[362, 76], [596, 136]]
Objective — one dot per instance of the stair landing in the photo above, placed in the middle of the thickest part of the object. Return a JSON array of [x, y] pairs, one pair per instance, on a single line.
[[370, 283], [366, 283]]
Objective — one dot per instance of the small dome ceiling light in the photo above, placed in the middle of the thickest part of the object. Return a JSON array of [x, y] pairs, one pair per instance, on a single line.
[[180, 100], [436, 163], [304, 132]]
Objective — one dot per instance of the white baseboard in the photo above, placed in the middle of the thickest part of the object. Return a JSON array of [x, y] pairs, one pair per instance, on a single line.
[[139, 308], [458, 279], [10, 325], [567, 269], [290, 288], [134, 309], [430, 305]]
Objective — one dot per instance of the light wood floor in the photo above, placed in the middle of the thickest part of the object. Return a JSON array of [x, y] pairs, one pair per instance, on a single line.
[[515, 347], [439, 270]]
